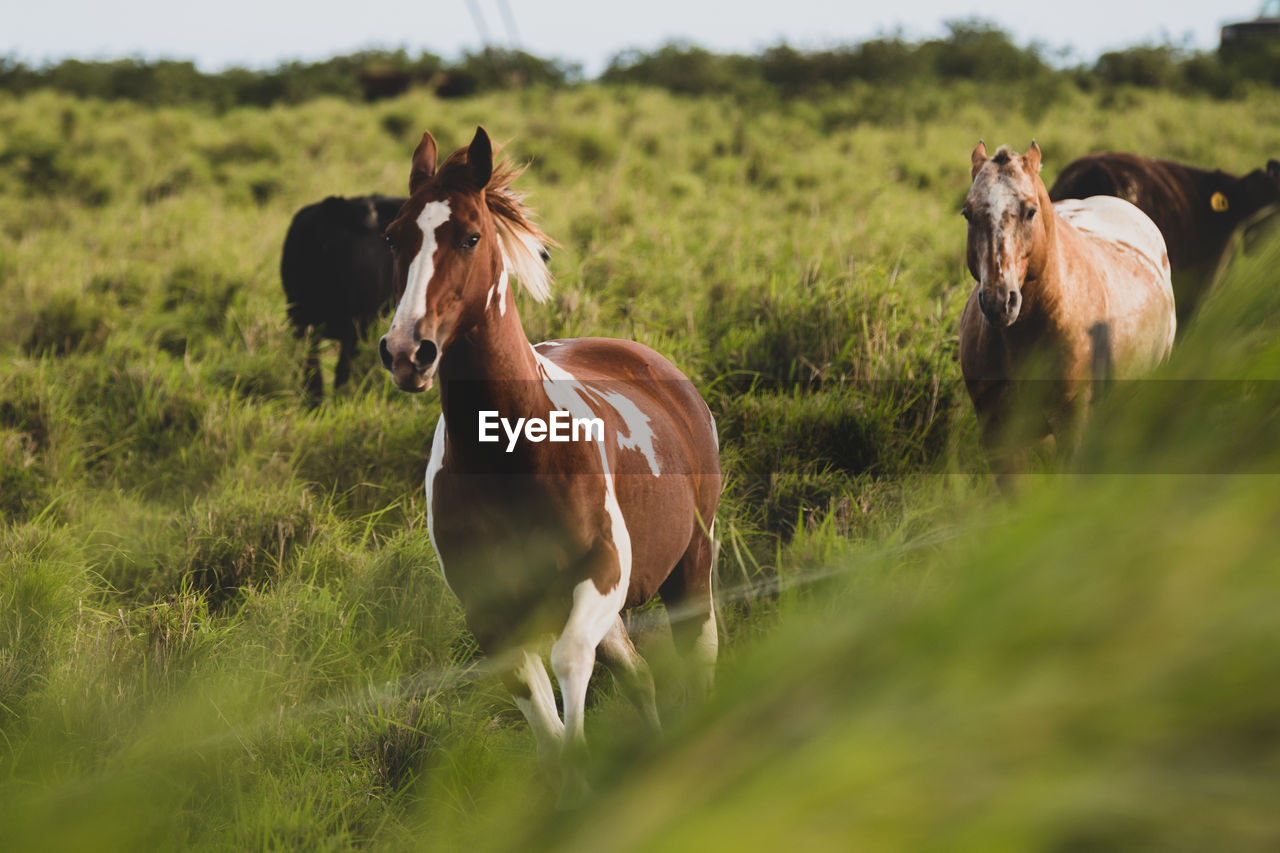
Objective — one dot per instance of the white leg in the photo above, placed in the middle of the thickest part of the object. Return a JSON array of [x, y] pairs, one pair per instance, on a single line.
[[705, 650], [693, 622], [531, 689], [572, 658], [706, 647]]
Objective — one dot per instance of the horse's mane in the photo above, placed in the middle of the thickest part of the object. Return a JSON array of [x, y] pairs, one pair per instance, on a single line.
[[523, 243], [1002, 156]]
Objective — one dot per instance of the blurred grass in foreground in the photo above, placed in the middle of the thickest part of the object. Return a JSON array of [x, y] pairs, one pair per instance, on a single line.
[[1092, 668], [221, 626]]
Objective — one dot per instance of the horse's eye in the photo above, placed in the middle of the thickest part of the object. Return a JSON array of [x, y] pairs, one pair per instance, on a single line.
[[964, 211], [470, 242], [1030, 214]]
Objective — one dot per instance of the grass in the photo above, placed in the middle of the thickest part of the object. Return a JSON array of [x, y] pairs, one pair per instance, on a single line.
[[221, 625]]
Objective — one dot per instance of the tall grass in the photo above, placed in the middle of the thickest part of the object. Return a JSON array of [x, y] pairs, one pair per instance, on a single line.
[[221, 624]]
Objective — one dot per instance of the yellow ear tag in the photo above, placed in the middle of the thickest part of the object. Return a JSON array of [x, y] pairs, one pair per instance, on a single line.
[[1218, 202]]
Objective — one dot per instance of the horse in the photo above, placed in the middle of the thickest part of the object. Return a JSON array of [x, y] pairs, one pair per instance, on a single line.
[[537, 537], [336, 273], [1197, 211], [1065, 293]]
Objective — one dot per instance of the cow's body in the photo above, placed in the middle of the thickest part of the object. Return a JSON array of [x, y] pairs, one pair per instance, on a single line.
[[336, 272]]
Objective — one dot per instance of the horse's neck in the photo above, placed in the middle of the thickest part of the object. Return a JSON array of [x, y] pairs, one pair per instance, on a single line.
[[490, 366], [1044, 292]]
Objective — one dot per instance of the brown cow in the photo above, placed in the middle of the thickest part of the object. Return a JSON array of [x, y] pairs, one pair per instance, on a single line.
[[1196, 210]]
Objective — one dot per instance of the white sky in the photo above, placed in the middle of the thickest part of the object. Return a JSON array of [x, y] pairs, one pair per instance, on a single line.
[[262, 33]]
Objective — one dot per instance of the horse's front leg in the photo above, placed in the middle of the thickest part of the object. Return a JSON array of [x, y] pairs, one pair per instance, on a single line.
[[1004, 446], [530, 687], [573, 656], [1069, 418]]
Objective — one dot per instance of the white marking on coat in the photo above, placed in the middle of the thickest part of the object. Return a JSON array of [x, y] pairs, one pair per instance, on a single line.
[[640, 434], [1115, 220], [593, 613], [540, 707], [421, 269], [433, 468], [502, 293], [499, 290], [565, 391]]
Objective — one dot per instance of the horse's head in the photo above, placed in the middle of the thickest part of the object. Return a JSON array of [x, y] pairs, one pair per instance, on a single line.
[[1010, 218], [454, 239]]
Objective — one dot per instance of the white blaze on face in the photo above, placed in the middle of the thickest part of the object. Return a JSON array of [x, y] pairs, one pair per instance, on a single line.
[[423, 266], [998, 244]]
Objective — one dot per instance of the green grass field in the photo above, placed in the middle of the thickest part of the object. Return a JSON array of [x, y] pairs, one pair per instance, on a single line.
[[222, 626]]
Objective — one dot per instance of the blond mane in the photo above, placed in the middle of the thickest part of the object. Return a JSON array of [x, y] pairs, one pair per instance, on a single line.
[[524, 245]]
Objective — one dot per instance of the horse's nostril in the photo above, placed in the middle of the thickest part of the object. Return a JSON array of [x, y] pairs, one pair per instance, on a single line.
[[425, 356], [384, 352]]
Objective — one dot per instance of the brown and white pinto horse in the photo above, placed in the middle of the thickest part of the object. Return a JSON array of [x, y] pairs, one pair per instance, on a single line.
[[536, 537], [1064, 292]]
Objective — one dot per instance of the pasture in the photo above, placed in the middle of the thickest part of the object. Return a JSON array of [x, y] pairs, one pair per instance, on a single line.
[[221, 626]]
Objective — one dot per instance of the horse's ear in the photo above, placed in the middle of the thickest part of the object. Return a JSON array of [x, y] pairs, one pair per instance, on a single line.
[[977, 158], [1032, 158], [480, 159], [424, 162]]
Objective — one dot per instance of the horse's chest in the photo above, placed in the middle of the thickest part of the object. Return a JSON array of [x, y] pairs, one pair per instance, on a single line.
[[497, 525]]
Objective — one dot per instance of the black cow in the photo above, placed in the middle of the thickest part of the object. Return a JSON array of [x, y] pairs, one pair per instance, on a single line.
[[1196, 210], [336, 271]]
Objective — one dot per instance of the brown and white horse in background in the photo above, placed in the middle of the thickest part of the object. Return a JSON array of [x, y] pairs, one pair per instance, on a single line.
[[1065, 292], [550, 538]]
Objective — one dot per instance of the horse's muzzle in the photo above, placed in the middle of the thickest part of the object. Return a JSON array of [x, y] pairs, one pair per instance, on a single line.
[[1000, 307], [414, 372]]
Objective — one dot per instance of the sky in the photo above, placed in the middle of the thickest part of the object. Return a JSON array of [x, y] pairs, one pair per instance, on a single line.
[[263, 33]]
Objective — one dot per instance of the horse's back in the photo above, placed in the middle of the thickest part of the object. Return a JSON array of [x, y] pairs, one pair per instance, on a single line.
[[608, 359], [1128, 256], [1113, 220], [1172, 194]]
